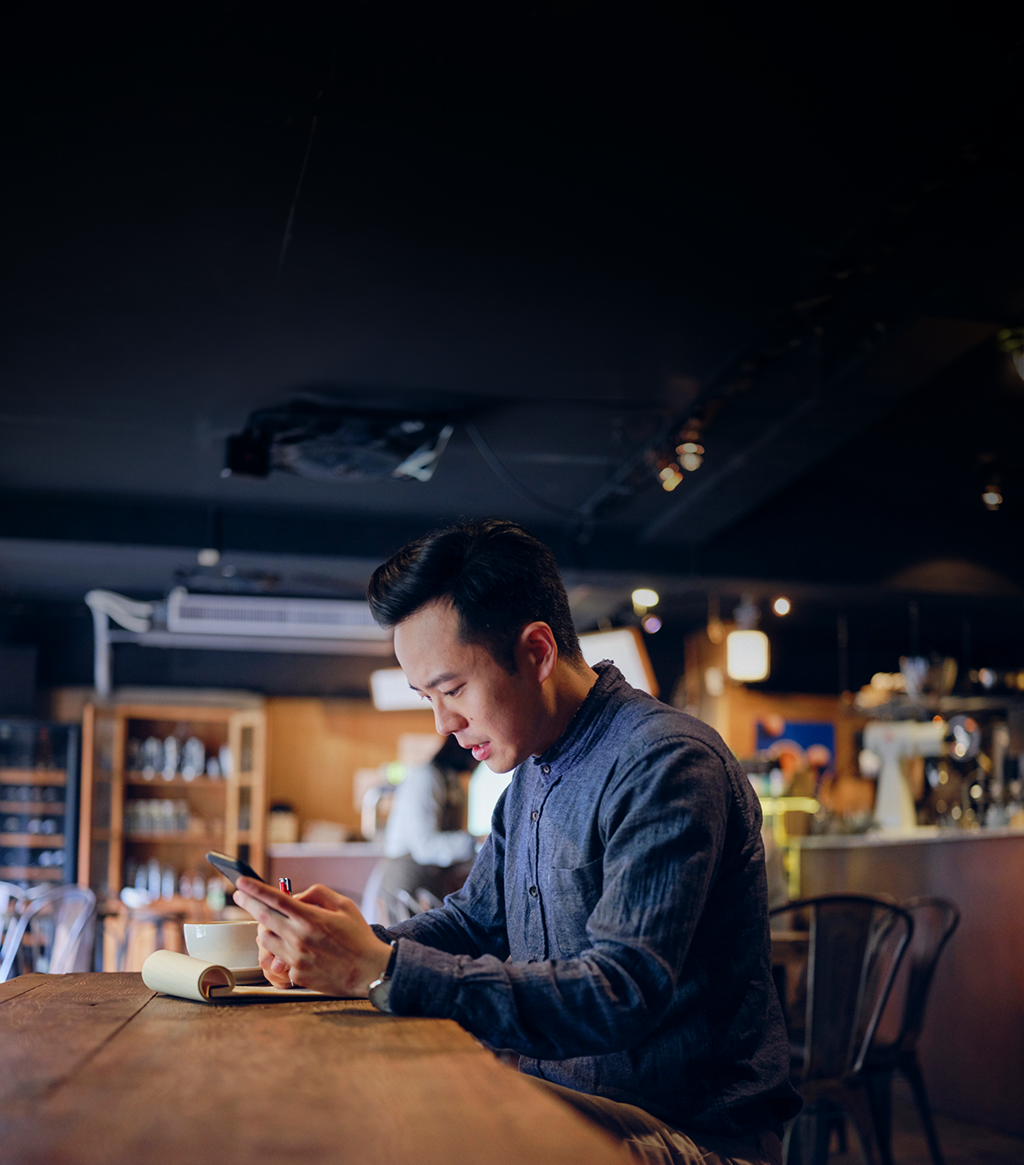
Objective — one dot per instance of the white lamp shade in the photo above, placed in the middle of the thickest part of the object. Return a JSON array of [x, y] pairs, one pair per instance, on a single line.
[[746, 656], [391, 692]]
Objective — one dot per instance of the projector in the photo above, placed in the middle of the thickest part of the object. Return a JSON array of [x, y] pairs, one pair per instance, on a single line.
[[330, 443]]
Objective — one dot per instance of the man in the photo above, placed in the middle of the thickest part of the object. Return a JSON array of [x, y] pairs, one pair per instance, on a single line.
[[613, 930]]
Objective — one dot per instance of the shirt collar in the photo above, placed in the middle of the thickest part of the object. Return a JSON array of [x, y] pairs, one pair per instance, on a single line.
[[576, 738]]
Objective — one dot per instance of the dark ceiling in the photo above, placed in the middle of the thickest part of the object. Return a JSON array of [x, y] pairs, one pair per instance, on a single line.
[[576, 228]]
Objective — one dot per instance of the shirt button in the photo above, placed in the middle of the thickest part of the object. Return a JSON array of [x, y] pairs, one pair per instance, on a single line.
[[534, 815], [533, 891], [545, 769]]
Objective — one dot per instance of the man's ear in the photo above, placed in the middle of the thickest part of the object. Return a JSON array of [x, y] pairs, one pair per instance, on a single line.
[[537, 650]]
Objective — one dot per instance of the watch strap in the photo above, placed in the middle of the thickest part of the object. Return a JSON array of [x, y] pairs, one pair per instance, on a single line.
[[380, 989], [389, 970]]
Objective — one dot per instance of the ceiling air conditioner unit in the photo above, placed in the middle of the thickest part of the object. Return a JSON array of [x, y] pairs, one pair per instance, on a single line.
[[232, 623], [270, 617]]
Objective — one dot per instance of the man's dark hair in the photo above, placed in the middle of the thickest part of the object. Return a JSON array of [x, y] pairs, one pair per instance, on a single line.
[[497, 576]]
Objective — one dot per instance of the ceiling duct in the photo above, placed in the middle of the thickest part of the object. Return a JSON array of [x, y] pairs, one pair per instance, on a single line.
[[327, 442]]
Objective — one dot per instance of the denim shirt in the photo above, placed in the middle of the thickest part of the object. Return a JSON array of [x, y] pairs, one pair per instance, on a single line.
[[614, 930]]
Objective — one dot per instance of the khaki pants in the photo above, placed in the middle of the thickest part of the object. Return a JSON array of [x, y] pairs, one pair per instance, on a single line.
[[652, 1142]]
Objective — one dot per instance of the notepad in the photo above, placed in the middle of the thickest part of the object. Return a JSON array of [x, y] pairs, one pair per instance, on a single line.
[[172, 973]]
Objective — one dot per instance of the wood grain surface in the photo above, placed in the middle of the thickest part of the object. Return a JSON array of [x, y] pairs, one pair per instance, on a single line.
[[95, 1068]]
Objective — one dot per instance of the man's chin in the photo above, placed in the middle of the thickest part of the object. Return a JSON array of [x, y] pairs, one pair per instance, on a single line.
[[499, 765]]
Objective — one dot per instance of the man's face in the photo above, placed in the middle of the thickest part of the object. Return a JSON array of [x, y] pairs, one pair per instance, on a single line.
[[495, 714]]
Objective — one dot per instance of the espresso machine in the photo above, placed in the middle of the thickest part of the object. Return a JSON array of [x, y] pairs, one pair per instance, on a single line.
[[895, 742]]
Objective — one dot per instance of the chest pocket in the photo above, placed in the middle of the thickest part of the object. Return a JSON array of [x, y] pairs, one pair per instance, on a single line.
[[569, 900]]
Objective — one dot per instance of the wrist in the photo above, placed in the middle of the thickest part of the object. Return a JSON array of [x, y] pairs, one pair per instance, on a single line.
[[380, 987]]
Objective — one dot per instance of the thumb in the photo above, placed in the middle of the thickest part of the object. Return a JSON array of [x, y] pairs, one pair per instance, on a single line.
[[318, 895]]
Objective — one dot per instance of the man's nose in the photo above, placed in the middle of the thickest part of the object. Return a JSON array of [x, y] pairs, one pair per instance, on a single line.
[[446, 721]]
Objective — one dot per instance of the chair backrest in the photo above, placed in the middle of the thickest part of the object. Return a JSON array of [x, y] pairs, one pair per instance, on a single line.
[[60, 921], [935, 920], [427, 900], [381, 906], [854, 947], [73, 930], [11, 899]]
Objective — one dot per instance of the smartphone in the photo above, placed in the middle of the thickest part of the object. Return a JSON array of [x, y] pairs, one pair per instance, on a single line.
[[232, 868]]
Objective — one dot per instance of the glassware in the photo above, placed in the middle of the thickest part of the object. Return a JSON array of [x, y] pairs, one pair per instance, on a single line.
[[193, 758], [152, 757], [172, 756]]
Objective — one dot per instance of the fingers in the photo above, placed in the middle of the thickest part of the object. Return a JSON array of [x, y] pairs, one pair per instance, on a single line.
[[264, 915], [278, 973], [264, 903], [315, 939], [274, 968], [323, 896]]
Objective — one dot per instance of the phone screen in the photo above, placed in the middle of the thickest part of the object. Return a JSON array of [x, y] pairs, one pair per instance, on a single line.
[[231, 868]]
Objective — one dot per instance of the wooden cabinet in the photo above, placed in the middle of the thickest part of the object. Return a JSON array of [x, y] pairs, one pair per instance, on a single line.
[[38, 802], [148, 804]]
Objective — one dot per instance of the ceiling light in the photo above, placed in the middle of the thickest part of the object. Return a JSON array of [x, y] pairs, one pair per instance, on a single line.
[[691, 455], [781, 606], [645, 597], [650, 624], [992, 498], [746, 656], [670, 477]]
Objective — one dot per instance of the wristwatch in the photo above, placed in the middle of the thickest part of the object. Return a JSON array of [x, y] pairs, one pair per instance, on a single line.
[[380, 988]]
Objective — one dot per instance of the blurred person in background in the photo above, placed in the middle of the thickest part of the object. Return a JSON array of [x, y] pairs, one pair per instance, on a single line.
[[424, 842]]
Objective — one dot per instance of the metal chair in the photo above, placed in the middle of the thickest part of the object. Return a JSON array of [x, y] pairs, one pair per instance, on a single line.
[[935, 920], [11, 899], [145, 930], [853, 950], [381, 906], [58, 922], [427, 900]]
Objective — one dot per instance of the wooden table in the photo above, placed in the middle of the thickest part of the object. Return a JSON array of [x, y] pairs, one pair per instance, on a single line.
[[98, 1068]]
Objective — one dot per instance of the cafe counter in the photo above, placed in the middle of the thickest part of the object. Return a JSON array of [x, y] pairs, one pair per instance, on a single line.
[[972, 1049], [343, 866]]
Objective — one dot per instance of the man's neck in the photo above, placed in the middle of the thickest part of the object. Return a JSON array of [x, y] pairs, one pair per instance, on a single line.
[[567, 691]]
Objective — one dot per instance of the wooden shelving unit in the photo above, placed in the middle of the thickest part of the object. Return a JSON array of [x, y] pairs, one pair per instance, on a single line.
[[38, 802], [209, 812]]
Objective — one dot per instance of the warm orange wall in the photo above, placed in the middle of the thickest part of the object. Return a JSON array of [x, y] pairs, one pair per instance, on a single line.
[[746, 707], [736, 711], [315, 747]]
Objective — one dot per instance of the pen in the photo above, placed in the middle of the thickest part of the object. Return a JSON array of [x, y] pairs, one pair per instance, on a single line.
[[285, 884]]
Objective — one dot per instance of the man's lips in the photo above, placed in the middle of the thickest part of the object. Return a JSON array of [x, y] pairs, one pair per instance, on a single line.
[[481, 751]]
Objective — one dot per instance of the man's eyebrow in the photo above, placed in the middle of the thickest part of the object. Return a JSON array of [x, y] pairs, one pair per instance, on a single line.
[[441, 679]]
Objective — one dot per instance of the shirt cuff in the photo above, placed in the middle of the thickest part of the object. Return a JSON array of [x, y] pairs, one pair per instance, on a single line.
[[424, 982]]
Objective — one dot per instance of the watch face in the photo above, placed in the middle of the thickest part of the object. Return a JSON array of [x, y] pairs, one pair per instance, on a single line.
[[379, 992]]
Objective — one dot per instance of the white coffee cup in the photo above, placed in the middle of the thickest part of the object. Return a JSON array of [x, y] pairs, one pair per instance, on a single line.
[[229, 944]]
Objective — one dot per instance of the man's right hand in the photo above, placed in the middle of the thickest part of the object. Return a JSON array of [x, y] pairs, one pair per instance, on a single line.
[[314, 939], [277, 970]]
